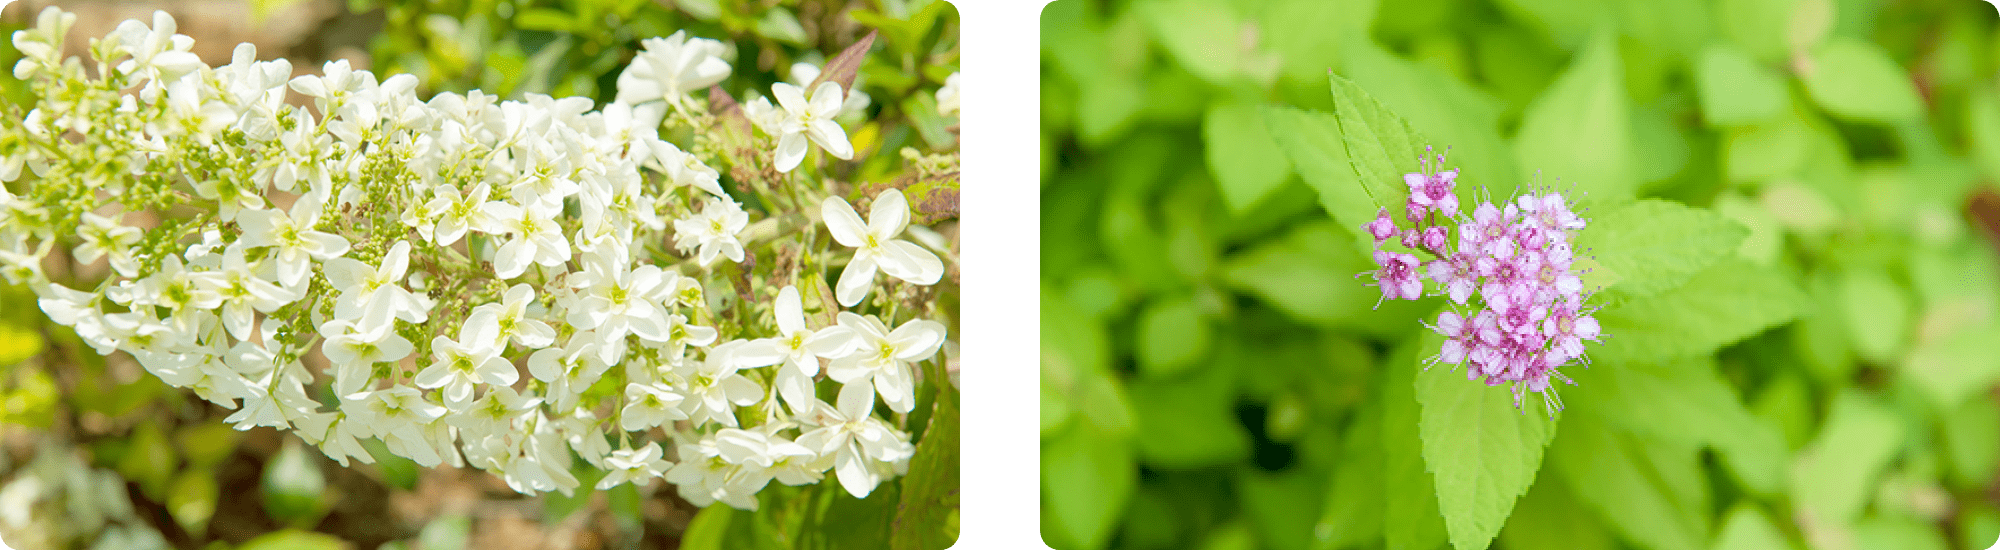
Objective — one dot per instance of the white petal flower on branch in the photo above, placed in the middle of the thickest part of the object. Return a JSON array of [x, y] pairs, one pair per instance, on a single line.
[[876, 246], [809, 118], [883, 357], [713, 232], [670, 68]]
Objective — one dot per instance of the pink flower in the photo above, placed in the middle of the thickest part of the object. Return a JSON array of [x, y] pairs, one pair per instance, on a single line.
[[1398, 276], [1382, 228]]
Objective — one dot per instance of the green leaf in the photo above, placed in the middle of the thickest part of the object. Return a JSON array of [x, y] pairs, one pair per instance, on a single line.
[[1309, 275], [1207, 39], [1956, 365], [1641, 487], [1723, 304], [1246, 162], [779, 24], [1735, 90], [294, 539], [294, 487], [1173, 336], [1282, 505], [150, 460], [1655, 245], [1766, 151], [708, 529], [192, 500], [1856, 80], [1687, 402], [1189, 422], [1353, 513], [1547, 517], [1380, 145], [1483, 450], [449, 532], [1899, 531], [1087, 478], [1833, 476], [1410, 519], [1579, 130], [1754, 24], [1971, 438], [1307, 35], [1748, 528], [1312, 140], [1878, 314], [1982, 129], [1448, 113], [930, 488], [1075, 357]]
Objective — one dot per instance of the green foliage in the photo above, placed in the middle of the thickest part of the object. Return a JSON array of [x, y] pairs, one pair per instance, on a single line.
[[1483, 451], [1786, 203]]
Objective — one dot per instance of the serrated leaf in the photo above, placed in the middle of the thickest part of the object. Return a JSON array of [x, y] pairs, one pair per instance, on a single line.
[[1483, 451], [1655, 245], [1578, 131], [1833, 476], [930, 488], [1723, 304], [1312, 140], [1632, 483], [1856, 80], [1410, 520], [1381, 146], [1309, 274], [1735, 90], [1246, 162]]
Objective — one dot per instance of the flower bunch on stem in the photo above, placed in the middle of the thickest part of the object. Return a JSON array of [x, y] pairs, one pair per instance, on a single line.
[[482, 282], [1518, 312]]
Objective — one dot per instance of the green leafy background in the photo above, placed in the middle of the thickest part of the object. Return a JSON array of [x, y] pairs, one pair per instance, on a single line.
[[1793, 222]]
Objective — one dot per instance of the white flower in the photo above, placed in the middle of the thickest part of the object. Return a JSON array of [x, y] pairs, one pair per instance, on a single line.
[[456, 213], [799, 348], [494, 412], [158, 53], [853, 437], [714, 231], [947, 96], [883, 357], [649, 405], [398, 415], [242, 293], [641, 466], [812, 119], [355, 346], [716, 385], [510, 317], [537, 238], [683, 169], [669, 68], [803, 73], [568, 370], [459, 365], [103, 236], [293, 236], [363, 288], [876, 246]]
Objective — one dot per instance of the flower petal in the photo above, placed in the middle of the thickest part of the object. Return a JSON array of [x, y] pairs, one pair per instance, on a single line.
[[909, 262], [842, 222], [889, 214]]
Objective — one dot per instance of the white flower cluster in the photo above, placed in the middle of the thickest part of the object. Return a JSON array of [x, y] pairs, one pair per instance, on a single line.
[[434, 250]]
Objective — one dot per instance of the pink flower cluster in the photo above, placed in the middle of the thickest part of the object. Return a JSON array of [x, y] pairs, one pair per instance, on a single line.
[[1511, 265]]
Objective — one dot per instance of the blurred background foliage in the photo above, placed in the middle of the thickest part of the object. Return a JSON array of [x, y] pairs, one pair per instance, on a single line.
[[1215, 376], [95, 453]]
